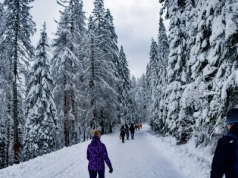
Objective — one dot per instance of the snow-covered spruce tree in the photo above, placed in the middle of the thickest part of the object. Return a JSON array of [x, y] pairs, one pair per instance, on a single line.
[[217, 78], [189, 102], [141, 104], [227, 73], [153, 82], [163, 53], [103, 70], [134, 115], [4, 95], [41, 122], [211, 86], [206, 57], [19, 29], [124, 88], [147, 76], [176, 72], [190, 94], [77, 27], [66, 72]]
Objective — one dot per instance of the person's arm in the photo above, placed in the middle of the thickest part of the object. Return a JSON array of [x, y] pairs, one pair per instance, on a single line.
[[105, 156], [88, 155], [218, 163]]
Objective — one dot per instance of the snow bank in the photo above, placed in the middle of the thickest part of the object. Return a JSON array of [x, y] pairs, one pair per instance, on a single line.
[[192, 162]]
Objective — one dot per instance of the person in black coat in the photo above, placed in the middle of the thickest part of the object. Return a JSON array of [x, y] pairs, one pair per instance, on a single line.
[[127, 131], [132, 130], [122, 134], [225, 154]]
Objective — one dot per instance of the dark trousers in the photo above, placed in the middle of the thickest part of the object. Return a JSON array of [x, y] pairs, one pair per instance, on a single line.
[[127, 136], [132, 135], [93, 174], [123, 139]]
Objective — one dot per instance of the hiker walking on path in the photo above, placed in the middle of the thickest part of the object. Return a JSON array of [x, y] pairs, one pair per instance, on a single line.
[[96, 155], [127, 132], [122, 134], [225, 160], [132, 130]]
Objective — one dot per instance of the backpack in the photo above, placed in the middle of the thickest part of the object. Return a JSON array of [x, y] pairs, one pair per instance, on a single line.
[[235, 167]]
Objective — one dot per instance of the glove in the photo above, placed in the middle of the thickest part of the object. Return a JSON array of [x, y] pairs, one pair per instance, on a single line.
[[111, 170]]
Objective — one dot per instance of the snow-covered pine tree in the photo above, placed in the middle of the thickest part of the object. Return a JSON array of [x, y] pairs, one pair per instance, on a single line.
[[19, 29], [124, 88], [191, 96], [141, 99], [134, 94], [4, 93], [66, 71], [112, 39], [217, 78], [78, 31], [206, 62], [227, 72], [41, 122], [153, 105], [176, 71], [211, 67], [103, 70], [163, 53]]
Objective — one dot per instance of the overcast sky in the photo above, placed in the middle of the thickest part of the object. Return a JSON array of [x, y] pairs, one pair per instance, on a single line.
[[135, 21]]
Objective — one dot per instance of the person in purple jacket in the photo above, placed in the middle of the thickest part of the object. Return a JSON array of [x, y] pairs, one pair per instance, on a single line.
[[96, 155]]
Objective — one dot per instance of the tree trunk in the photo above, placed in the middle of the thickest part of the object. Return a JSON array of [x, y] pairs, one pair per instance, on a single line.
[[66, 126], [92, 85], [16, 146]]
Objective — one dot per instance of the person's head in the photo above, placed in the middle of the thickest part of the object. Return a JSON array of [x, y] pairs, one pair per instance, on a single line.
[[96, 133], [231, 117]]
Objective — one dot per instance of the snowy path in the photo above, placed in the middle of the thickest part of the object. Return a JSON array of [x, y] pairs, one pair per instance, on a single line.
[[139, 159], [133, 159]]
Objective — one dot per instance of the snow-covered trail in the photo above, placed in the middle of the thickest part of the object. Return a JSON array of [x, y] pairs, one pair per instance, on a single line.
[[133, 159], [139, 159]]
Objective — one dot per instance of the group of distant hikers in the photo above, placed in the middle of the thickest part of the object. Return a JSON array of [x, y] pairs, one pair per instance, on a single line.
[[124, 131], [225, 160]]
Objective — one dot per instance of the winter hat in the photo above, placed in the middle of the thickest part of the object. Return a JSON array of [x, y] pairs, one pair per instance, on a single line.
[[232, 116], [95, 132]]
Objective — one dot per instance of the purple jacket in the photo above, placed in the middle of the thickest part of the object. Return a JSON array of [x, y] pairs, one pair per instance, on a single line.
[[96, 155]]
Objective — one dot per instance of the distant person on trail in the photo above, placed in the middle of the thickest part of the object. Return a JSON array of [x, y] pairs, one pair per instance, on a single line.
[[127, 132], [96, 155], [132, 130], [225, 160], [122, 134], [136, 127]]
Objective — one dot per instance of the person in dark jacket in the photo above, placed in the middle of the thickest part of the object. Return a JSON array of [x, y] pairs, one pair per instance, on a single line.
[[225, 154], [122, 134], [132, 130], [96, 155], [127, 132]]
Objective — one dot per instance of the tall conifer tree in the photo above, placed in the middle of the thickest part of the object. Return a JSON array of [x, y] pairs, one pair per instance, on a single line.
[[103, 74], [20, 27], [41, 121]]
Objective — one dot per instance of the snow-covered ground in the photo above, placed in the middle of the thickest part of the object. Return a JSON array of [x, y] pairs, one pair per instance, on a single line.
[[147, 156]]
